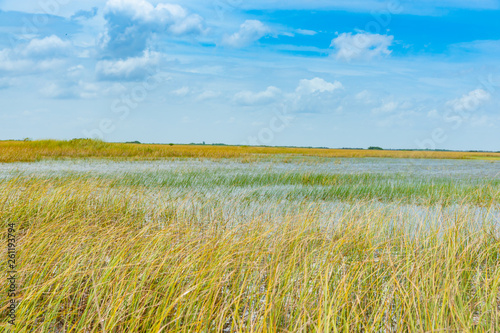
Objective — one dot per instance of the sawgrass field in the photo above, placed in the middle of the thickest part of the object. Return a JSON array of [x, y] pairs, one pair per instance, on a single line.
[[160, 238], [30, 151]]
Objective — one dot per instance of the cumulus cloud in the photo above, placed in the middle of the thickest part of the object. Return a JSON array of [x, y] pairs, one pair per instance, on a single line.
[[470, 101], [362, 45], [132, 68], [131, 23], [315, 95], [51, 46], [260, 98], [38, 54], [304, 98], [142, 10], [317, 85], [10, 62], [250, 31], [171, 16]]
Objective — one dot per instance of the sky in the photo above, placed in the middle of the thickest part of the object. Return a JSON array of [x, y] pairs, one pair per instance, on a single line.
[[398, 74]]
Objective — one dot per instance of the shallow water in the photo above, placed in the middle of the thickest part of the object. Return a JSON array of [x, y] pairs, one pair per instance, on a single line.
[[416, 167], [237, 204]]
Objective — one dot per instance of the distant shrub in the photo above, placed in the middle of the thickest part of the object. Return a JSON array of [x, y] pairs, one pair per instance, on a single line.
[[375, 148]]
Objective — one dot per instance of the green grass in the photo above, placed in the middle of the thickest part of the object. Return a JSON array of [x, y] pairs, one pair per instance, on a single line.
[[328, 187], [490, 158], [310, 186]]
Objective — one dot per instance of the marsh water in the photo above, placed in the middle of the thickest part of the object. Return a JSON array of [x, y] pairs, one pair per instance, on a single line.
[[416, 167], [239, 191]]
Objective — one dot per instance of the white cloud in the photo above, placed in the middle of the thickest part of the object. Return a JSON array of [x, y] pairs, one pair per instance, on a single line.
[[362, 45], [76, 72], [88, 90], [470, 101], [434, 114], [128, 69], [10, 62], [209, 94], [142, 10], [305, 98], [315, 96], [250, 31], [260, 98], [181, 91], [386, 108], [48, 64], [52, 90], [317, 85], [364, 96], [37, 54], [77, 68], [306, 32], [132, 23], [51, 46], [191, 24], [71, 89]]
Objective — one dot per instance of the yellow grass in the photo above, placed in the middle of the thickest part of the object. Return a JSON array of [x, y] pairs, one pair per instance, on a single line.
[[93, 258], [95, 254], [21, 151]]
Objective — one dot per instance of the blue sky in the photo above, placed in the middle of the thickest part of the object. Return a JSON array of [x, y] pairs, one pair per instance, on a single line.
[[358, 73]]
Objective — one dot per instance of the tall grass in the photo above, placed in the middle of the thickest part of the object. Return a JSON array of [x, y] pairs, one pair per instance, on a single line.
[[29, 151], [95, 257]]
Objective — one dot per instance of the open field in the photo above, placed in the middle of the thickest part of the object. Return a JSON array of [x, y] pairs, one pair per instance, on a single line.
[[30, 151], [305, 244]]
